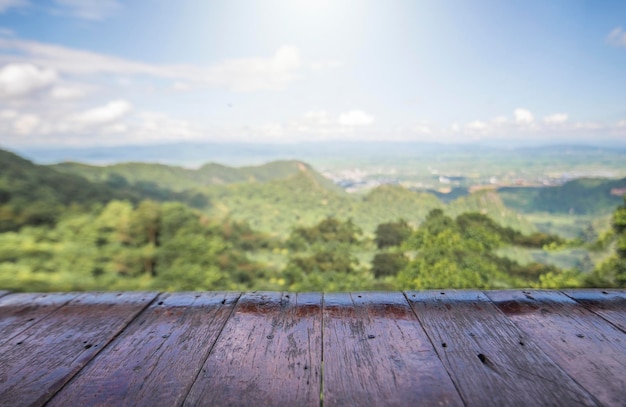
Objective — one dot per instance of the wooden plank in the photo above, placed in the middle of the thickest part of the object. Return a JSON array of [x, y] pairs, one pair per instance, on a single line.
[[18, 312], [269, 353], [587, 347], [3, 293], [157, 357], [609, 304], [483, 352], [376, 353], [36, 363]]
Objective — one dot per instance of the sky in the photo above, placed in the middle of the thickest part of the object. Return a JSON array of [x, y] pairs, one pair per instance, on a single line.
[[108, 72]]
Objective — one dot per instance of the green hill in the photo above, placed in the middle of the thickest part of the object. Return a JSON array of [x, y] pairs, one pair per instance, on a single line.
[[180, 179], [585, 196], [34, 194], [490, 203]]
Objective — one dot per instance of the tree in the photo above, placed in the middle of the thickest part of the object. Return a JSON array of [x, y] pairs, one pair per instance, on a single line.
[[388, 264], [145, 223], [392, 233], [612, 273]]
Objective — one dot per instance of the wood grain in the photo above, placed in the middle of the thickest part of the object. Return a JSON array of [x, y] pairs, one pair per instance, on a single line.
[[586, 346], [18, 312], [483, 353], [376, 353], [157, 357], [609, 304], [269, 353], [36, 363]]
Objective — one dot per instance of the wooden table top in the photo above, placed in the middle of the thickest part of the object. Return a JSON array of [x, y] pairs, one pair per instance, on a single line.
[[427, 348]]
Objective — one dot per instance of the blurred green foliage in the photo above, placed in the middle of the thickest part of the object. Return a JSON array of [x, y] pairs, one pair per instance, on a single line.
[[286, 229]]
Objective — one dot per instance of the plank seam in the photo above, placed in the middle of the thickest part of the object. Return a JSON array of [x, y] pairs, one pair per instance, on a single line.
[[540, 349], [90, 361], [52, 311], [217, 337], [594, 312], [321, 396], [419, 321]]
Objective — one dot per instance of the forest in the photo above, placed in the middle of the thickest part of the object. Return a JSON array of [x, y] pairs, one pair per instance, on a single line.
[[281, 227]]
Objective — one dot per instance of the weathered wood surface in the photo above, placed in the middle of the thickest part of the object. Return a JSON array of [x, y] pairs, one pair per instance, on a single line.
[[157, 358], [269, 353], [20, 311], [609, 304], [491, 361], [587, 347], [39, 361], [3, 293], [376, 353], [470, 348]]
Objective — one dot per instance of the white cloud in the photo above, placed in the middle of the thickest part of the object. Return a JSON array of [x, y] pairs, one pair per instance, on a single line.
[[66, 92], [26, 124], [621, 123], [355, 118], [422, 129], [108, 113], [181, 86], [8, 4], [557, 118], [617, 37], [322, 66], [477, 125], [523, 116], [18, 80], [88, 9], [239, 75]]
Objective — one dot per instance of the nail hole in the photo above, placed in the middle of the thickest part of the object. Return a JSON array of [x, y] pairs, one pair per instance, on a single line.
[[444, 345], [359, 296], [370, 336], [580, 335], [482, 358], [88, 346], [160, 303], [270, 336], [19, 343], [442, 293], [521, 343], [223, 301], [604, 292]]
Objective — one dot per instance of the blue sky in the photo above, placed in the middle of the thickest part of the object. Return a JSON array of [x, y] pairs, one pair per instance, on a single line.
[[107, 72]]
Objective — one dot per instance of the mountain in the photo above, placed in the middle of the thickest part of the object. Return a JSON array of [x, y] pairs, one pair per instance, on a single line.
[[584, 196], [34, 194], [490, 203], [178, 178]]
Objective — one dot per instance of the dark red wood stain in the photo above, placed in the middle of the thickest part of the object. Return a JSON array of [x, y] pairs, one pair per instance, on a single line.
[[268, 354], [587, 347], [376, 353], [349, 349]]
